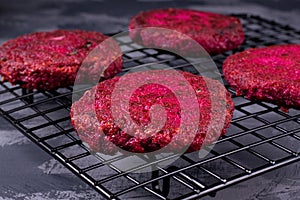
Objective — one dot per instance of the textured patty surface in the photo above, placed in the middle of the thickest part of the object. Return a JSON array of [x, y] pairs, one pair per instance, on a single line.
[[49, 60], [215, 32], [99, 130], [270, 74]]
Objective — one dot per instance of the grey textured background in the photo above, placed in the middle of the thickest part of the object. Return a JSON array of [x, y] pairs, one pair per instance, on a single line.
[[26, 172]]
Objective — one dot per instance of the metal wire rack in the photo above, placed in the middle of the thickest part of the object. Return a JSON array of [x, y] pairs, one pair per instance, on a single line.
[[261, 137]]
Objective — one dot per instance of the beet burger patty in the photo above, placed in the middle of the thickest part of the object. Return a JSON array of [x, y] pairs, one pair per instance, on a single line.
[[49, 60], [270, 74], [93, 120], [215, 32]]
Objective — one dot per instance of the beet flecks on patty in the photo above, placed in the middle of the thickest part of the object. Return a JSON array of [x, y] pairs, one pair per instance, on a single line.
[[215, 32], [49, 60], [93, 120], [270, 74]]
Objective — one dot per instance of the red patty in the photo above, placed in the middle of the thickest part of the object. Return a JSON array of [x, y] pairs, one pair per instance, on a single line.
[[270, 74], [49, 60], [215, 32], [100, 131]]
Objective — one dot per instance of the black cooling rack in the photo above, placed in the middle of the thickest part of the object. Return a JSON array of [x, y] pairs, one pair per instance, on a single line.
[[261, 137]]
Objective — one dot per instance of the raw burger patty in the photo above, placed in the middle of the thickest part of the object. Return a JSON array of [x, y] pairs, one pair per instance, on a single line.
[[215, 32], [90, 129], [49, 60], [270, 74]]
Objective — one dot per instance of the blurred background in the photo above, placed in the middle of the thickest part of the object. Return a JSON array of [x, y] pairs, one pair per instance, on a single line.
[[110, 16], [26, 172]]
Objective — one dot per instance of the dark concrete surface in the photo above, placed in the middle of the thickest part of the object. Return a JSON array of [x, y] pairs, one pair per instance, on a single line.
[[26, 172]]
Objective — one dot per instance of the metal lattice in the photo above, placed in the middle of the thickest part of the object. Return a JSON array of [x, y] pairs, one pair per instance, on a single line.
[[261, 137]]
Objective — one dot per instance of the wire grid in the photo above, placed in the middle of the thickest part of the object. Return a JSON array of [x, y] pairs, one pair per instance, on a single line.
[[261, 136]]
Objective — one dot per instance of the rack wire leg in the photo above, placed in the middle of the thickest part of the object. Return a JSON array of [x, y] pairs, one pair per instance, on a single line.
[[27, 95], [165, 186]]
